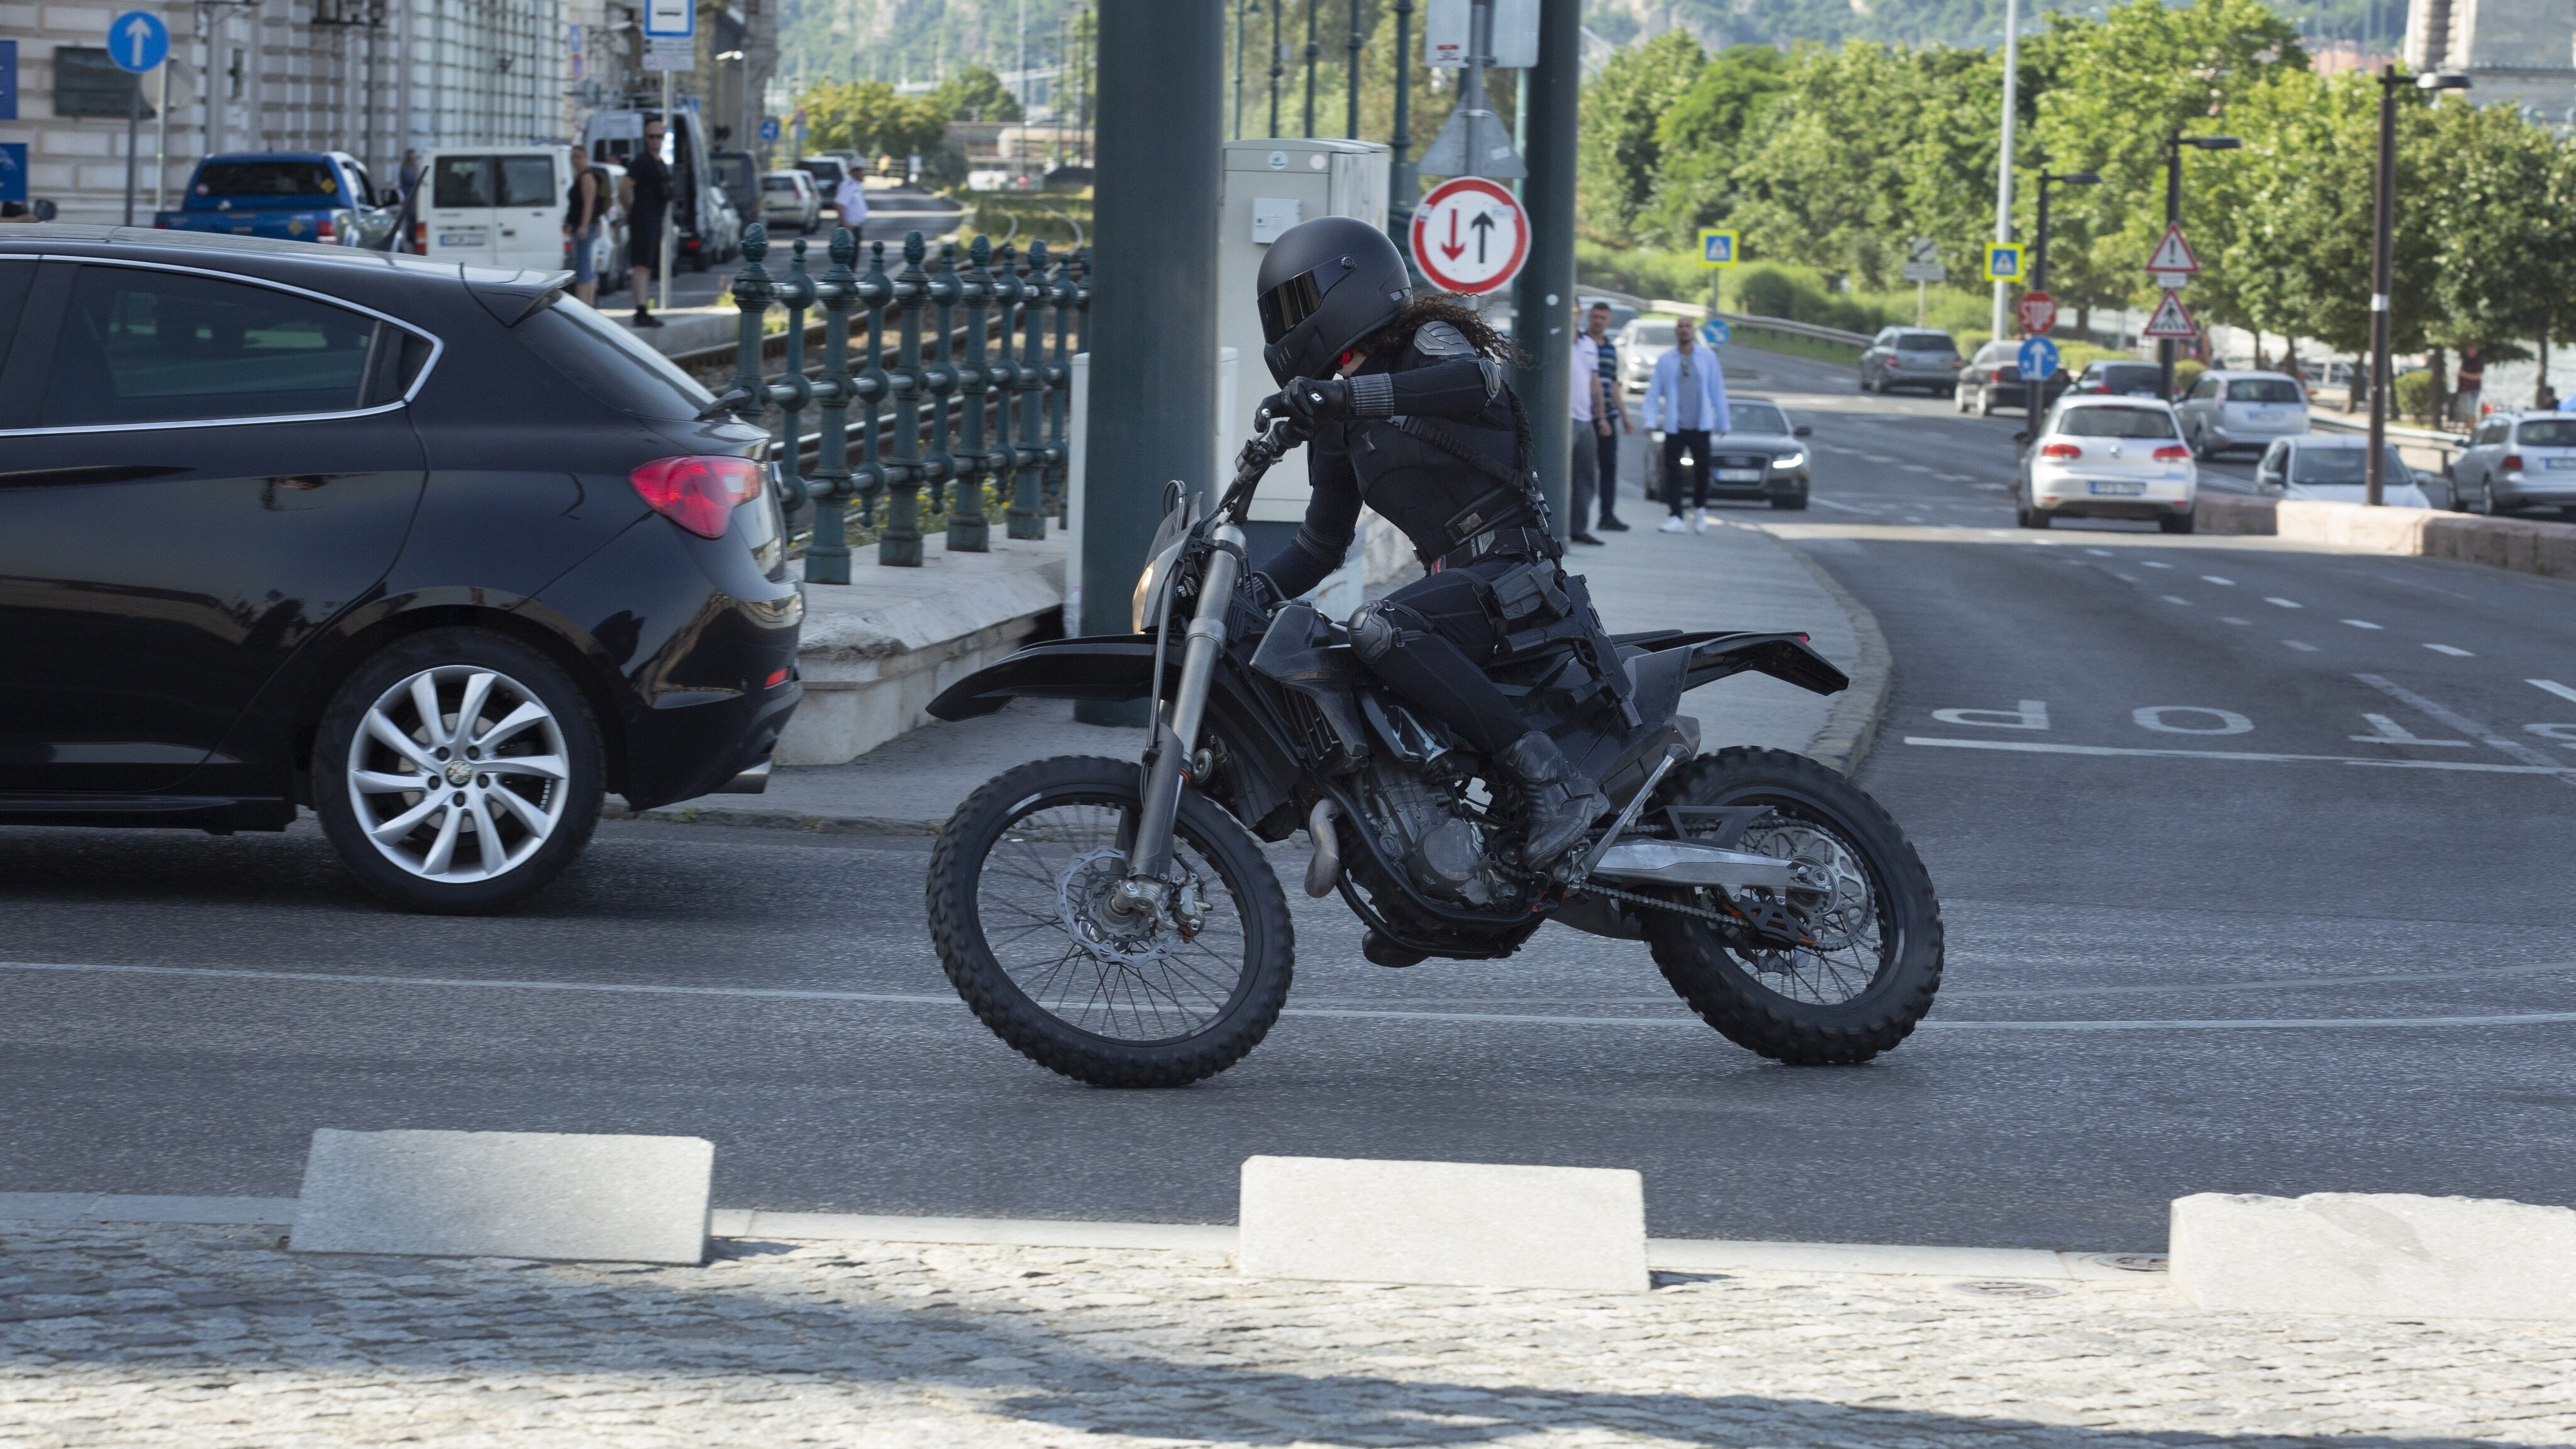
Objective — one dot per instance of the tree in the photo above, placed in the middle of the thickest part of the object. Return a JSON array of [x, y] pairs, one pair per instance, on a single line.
[[2505, 259], [1699, 137], [975, 94], [1620, 156], [869, 118]]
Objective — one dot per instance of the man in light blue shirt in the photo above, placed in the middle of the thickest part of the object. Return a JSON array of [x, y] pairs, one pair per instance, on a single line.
[[1687, 400]]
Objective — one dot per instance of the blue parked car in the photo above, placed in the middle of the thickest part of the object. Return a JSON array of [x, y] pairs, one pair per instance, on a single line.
[[309, 196]]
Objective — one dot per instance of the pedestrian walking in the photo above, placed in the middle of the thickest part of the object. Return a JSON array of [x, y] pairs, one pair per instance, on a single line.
[[1583, 477], [2473, 377], [584, 208], [852, 198], [407, 180], [1688, 400], [647, 199], [1610, 412]]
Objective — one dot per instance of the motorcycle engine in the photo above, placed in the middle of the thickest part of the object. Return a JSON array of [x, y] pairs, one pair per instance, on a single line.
[[1423, 825]]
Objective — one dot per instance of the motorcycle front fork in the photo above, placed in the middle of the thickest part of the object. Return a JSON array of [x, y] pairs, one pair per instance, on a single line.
[[1176, 729]]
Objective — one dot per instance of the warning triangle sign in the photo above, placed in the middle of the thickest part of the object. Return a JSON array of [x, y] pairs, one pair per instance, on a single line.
[[2170, 319], [2173, 254]]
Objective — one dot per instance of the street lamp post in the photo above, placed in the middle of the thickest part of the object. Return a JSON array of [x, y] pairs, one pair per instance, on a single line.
[[1278, 58], [1351, 44], [1313, 51], [1243, 12], [2173, 215], [1401, 190], [2383, 261], [2039, 268]]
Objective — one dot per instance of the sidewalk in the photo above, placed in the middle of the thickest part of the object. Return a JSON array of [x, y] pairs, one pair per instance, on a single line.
[[214, 1338], [1732, 577]]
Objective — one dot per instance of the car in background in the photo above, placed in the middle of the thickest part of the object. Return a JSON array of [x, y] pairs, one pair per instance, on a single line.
[[436, 551], [1992, 379], [2226, 409], [737, 175], [2107, 457], [1761, 458], [2513, 461], [494, 206], [1643, 341], [2332, 468], [310, 196], [788, 198], [1911, 357], [2105, 378], [827, 172]]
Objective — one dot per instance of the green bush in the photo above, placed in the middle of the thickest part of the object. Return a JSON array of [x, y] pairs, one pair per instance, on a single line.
[[2414, 395], [1639, 272]]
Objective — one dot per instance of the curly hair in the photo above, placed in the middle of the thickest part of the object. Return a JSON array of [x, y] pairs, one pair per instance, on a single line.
[[1446, 307]]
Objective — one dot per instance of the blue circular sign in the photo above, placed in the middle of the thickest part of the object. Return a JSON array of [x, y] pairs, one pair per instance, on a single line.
[[1715, 332], [769, 128], [137, 41], [2038, 358]]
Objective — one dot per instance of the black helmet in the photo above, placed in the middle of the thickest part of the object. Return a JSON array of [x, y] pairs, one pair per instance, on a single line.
[[1324, 285]]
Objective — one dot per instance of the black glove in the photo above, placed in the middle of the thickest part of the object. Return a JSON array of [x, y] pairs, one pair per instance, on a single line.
[[1274, 409], [1313, 401]]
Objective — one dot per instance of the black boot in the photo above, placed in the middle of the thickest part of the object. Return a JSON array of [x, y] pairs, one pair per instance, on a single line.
[[1556, 803]]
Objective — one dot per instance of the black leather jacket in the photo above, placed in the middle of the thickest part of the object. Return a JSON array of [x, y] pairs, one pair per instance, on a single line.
[[1435, 450]]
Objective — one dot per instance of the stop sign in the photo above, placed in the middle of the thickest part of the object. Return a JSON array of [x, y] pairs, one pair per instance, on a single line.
[[2037, 311]]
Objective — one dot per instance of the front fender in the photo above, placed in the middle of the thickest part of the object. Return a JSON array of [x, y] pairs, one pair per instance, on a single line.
[[1106, 667]]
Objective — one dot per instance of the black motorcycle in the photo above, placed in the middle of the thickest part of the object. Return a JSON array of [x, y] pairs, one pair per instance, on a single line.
[[1117, 922]]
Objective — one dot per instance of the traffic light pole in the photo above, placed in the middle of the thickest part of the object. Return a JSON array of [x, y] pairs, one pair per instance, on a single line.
[[2383, 247]]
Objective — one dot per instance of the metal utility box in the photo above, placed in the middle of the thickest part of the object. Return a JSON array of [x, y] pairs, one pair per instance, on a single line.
[[1270, 186]]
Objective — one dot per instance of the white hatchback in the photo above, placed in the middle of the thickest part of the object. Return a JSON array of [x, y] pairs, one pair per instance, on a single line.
[[2227, 410], [2108, 457]]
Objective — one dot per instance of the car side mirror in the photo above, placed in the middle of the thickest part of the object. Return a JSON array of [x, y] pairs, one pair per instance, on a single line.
[[1803, 431]]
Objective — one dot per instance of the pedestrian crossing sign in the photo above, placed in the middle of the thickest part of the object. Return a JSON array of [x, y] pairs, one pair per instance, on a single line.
[[2003, 262], [1716, 246]]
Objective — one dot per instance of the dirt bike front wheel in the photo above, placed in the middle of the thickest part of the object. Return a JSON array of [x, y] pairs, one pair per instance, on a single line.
[[1021, 887], [1859, 893]]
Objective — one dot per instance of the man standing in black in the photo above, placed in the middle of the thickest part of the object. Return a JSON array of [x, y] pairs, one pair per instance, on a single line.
[[648, 208]]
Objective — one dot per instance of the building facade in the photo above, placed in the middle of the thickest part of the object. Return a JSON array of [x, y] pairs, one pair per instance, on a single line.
[[2517, 52]]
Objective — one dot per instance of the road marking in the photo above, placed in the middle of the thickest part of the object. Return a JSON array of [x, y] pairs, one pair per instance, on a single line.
[[1679, 1018], [2232, 619], [1916, 468], [2176, 599], [2034, 747], [1845, 507], [2552, 686], [2458, 721], [2390, 732], [2215, 579], [2284, 603], [1964, 478], [1877, 458], [2358, 623], [2151, 564], [2453, 652], [2100, 552], [2301, 645]]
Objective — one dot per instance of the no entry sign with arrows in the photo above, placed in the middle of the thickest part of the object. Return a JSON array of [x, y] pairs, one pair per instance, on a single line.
[[1470, 235]]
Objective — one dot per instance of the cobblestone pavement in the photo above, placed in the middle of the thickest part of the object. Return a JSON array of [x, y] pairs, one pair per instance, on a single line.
[[213, 1336]]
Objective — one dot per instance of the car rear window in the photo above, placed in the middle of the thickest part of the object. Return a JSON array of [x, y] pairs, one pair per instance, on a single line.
[[2550, 433], [778, 183], [2116, 423], [267, 178], [528, 181], [461, 181], [2264, 390], [1756, 417], [608, 362], [1926, 342], [2344, 465], [2134, 374], [825, 173]]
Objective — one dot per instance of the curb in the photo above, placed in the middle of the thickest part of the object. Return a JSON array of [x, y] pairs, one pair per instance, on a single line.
[[1669, 1255], [754, 819], [1851, 726]]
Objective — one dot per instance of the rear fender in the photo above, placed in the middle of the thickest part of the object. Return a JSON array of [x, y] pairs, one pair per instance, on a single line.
[[1785, 657]]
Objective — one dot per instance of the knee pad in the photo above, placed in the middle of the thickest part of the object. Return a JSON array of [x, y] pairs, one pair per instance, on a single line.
[[1373, 634]]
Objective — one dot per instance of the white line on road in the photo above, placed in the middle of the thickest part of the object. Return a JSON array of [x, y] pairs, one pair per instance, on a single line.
[[2215, 579], [2177, 599], [2152, 564], [2454, 652], [2284, 603], [2232, 619], [2102, 552], [1844, 507], [2358, 623], [2034, 747], [2458, 721], [2554, 687], [345, 978], [2301, 645]]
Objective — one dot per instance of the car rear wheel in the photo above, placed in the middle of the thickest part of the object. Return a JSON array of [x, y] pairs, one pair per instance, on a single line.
[[1985, 402], [458, 771]]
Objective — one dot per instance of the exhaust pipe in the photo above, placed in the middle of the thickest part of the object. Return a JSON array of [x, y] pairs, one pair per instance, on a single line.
[[1325, 867]]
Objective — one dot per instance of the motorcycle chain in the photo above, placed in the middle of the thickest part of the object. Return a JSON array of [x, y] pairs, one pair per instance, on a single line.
[[1731, 927]]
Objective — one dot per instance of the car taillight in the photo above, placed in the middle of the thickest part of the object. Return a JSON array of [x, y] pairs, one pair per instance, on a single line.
[[420, 237], [2172, 453], [326, 231], [699, 494], [2513, 462], [2061, 450], [1958, 362]]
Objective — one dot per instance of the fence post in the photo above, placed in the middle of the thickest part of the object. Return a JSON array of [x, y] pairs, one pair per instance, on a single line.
[[827, 555], [868, 479], [1028, 380], [941, 377], [968, 530], [793, 392], [1067, 292], [900, 544]]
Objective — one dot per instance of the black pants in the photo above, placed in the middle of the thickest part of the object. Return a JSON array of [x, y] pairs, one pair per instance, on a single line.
[[1696, 440], [1443, 632], [1608, 444]]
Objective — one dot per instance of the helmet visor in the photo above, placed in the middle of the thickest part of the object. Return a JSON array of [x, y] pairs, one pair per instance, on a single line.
[[1300, 297]]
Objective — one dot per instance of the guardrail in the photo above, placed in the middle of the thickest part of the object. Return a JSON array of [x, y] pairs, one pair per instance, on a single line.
[[1003, 295], [1809, 330], [2448, 443]]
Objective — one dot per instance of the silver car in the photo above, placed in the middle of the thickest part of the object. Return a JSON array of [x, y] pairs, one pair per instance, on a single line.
[[1643, 343], [2227, 410], [2330, 468], [2514, 460], [1911, 357], [789, 198]]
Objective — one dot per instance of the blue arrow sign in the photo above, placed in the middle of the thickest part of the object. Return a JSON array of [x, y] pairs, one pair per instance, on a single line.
[[2037, 359], [137, 41], [769, 128], [1715, 332], [13, 171]]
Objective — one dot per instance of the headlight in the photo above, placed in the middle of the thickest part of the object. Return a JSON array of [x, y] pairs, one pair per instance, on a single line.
[[1790, 462], [1140, 608]]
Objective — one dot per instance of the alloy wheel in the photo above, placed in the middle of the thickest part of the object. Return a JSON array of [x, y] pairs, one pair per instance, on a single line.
[[458, 774]]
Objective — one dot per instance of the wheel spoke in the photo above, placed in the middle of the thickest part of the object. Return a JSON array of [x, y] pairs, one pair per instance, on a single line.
[[424, 702], [478, 685], [521, 806], [390, 735], [401, 825], [377, 782], [487, 840], [510, 724], [442, 852], [550, 767]]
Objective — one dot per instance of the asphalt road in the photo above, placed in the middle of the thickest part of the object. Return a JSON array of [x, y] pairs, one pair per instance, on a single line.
[[2180, 960]]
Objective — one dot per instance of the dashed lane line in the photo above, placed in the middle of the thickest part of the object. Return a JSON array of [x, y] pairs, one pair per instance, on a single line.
[[2176, 599], [1678, 1019], [2215, 579], [2038, 747], [2553, 687], [2452, 650], [2301, 645], [2284, 603], [2358, 623], [2232, 619]]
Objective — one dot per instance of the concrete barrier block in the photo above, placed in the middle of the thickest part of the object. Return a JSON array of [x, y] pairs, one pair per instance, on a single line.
[[2391, 1255], [2555, 554], [1476, 1224], [506, 1195], [2353, 526], [2232, 513]]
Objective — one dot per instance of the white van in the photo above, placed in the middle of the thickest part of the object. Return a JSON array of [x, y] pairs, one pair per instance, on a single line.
[[494, 206]]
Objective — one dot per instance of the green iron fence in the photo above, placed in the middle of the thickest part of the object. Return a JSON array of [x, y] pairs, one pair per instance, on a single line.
[[943, 408]]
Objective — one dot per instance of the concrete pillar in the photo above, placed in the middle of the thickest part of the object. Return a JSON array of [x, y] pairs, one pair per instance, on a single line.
[[1543, 294], [1153, 292]]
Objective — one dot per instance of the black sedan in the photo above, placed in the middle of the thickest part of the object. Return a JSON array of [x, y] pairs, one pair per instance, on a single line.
[[1993, 380], [438, 552]]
